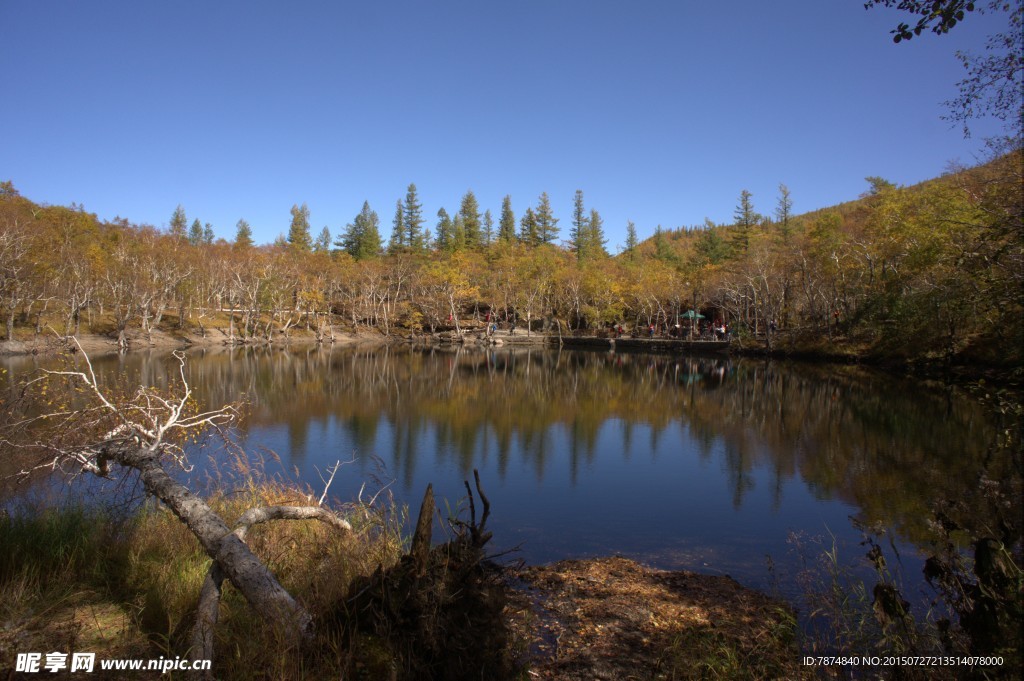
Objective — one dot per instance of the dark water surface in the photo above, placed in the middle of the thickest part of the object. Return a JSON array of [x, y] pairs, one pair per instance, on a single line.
[[682, 462]]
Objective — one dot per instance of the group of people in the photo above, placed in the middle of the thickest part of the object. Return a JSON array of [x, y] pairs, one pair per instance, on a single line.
[[703, 331]]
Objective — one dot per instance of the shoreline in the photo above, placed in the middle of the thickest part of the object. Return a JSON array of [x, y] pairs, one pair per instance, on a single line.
[[921, 368], [100, 344]]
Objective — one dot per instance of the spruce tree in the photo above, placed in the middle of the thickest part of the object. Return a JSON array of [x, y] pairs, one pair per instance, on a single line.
[[631, 239], [547, 223], [412, 216], [443, 237], [370, 241], [299, 239], [397, 242], [243, 234], [195, 233], [711, 248], [458, 233], [783, 211], [323, 242], [746, 218], [595, 243], [469, 211], [578, 232], [361, 238], [208, 235], [528, 229], [488, 232], [179, 223], [507, 223], [662, 251]]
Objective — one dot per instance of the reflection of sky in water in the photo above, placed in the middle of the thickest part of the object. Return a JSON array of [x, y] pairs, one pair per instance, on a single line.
[[659, 497]]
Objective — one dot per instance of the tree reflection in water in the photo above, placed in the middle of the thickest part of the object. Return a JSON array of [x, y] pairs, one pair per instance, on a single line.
[[683, 461]]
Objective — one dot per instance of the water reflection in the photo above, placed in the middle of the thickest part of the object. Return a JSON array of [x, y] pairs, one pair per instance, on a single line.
[[684, 461]]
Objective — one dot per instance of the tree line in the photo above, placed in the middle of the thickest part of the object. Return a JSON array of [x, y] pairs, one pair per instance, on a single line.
[[930, 269]]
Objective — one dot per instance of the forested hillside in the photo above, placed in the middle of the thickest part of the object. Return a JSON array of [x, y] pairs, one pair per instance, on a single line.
[[932, 271]]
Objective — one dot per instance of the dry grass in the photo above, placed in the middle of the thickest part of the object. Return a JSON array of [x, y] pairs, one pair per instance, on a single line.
[[81, 579]]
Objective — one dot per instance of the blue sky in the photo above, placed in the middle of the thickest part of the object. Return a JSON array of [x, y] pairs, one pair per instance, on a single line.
[[661, 112]]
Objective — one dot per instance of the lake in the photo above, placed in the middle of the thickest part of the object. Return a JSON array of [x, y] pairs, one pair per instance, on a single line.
[[703, 463]]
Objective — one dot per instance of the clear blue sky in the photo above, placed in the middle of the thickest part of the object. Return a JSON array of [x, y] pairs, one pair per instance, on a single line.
[[660, 111]]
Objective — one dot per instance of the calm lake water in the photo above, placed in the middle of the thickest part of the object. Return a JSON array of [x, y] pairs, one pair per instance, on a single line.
[[701, 463]]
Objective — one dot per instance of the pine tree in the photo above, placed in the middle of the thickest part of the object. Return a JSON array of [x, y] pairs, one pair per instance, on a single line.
[[195, 233], [412, 217], [443, 238], [528, 229], [299, 239], [547, 223], [595, 244], [397, 242], [243, 234], [208, 235], [470, 213], [179, 223], [507, 224], [578, 232], [631, 239], [488, 228], [323, 242]]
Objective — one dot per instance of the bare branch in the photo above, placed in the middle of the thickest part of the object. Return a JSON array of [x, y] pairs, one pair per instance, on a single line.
[[327, 484]]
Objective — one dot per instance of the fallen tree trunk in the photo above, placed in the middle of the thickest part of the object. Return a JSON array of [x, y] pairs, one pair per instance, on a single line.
[[230, 553], [208, 609]]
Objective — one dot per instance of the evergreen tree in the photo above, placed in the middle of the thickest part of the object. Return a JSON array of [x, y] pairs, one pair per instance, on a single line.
[[746, 218], [179, 223], [370, 244], [361, 238], [458, 233], [412, 216], [662, 251], [507, 223], [488, 233], [299, 239], [243, 234], [397, 242], [208, 235], [783, 211], [528, 233], [470, 213], [578, 232], [711, 248], [595, 244], [443, 238], [195, 233], [631, 239], [323, 242], [547, 223]]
